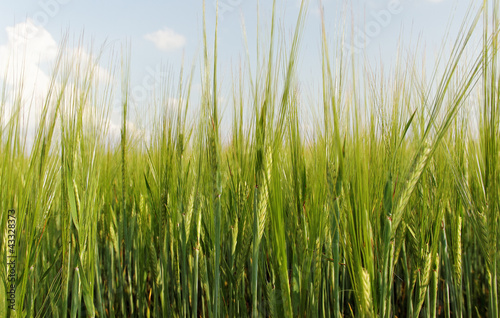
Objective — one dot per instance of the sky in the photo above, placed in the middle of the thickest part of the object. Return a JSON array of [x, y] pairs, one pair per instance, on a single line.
[[168, 34]]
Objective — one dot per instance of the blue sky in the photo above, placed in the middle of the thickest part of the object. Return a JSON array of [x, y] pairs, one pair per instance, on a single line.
[[164, 33]]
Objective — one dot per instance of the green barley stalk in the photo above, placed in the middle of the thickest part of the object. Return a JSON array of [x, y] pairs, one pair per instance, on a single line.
[[259, 207], [331, 100], [214, 160]]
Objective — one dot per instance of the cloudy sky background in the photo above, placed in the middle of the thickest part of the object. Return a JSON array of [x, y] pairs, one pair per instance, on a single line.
[[163, 34]]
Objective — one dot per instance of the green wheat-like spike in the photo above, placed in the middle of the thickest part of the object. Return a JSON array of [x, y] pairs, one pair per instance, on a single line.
[[142, 211], [77, 197], [412, 239], [434, 283], [271, 300], [481, 230], [76, 294], [317, 270], [417, 168], [300, 241], [234, 235], [152, 259], [365, 292], [457, 253], [202, 273], [113, 237], [244, 249], [264, 195], [423, 283], [163, 217], [399, 241], [189, 214]]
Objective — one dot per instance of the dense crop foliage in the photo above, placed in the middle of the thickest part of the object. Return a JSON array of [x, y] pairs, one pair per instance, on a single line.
[[389, 208]]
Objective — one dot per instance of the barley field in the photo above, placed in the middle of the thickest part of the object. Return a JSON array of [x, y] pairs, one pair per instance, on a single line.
[[389, 207]]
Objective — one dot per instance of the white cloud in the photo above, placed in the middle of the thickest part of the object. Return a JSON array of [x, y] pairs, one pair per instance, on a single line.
[[28, 46], [29, 53], [166, 39], [25, 68], [84, 61]]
